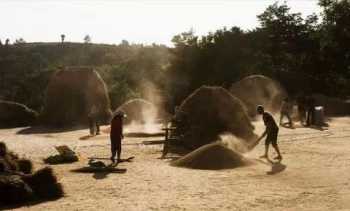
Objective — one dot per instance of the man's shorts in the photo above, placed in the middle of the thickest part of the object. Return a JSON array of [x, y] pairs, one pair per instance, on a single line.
[[271, 138]]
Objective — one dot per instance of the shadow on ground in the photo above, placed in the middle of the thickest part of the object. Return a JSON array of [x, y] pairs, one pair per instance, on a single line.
[[276, 167], [24, 204], [99, 173], [43, 130]]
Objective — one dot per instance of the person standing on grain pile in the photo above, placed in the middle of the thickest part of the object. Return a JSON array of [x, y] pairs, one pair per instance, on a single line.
[[116, 136], [271, 132]]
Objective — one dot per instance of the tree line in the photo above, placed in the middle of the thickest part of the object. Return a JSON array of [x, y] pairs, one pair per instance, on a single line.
[[306, 55]]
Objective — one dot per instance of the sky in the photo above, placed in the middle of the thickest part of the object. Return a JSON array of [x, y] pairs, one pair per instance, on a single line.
[[138, 21]]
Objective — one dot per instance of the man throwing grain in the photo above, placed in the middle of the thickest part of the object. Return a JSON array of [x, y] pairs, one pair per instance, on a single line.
[[116, 136], [271, 131]]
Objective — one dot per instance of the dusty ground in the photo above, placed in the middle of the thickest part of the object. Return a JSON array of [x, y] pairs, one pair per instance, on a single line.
[[314, 174]]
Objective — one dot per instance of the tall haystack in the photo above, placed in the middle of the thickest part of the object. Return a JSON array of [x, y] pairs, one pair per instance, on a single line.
[[209, 112], [332, 106], [139, 111], [71, 95], [259, 90], [16, 115]]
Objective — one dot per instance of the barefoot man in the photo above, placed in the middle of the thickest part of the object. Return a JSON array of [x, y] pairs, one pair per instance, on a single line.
[[116, 136], [271, 131]]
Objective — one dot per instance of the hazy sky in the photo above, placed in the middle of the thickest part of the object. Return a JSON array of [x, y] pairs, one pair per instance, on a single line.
[[138, 21]]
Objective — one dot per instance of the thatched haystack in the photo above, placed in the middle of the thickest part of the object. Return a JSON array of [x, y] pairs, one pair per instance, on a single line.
[[71, 95], [259, 90], [332, 106], [16, 115], [138, 111], [212, 157], [209, 112]]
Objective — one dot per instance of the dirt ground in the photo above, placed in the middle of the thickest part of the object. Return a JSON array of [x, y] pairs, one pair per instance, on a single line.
[[314, 174]]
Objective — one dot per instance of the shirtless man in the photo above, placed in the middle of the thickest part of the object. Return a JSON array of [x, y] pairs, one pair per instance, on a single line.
[[271, 131]]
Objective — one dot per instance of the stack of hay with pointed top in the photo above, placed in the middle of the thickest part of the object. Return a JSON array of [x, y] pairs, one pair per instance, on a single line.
[[259, 90], [71, 95], [200, 121], [138, 111], [209, 112], [18, 184]]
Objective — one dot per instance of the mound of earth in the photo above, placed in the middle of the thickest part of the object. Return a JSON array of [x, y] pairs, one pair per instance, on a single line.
[[209, 112], [16, 115], [212, 156], [259, 90]]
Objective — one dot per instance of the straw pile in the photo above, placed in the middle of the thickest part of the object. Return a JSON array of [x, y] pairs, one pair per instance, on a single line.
[[259, 90], [139, 111], [71, 95], [209, 112], [213, 156]]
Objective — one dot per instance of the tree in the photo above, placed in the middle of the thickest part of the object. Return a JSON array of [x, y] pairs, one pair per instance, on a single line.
[[19, 41], [7, 42], [335, 43], [62, 38], [87, 39]]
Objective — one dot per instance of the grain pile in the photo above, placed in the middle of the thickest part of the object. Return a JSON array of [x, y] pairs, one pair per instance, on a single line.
[[212, 156]]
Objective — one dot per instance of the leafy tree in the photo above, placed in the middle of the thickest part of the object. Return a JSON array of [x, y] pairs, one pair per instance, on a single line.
[[62, 38], [87, 39]]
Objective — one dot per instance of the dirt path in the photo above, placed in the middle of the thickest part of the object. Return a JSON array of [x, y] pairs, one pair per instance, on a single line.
[[312, 176]]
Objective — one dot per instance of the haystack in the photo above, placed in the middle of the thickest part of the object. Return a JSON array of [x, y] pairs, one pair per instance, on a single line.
[[138, 111], [72, 94], [259, 90], [16, 115], [209, 112], [212, 157], [332, 106]]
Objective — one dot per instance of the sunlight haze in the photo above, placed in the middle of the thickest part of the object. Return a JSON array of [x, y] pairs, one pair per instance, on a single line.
[[136, 21]]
